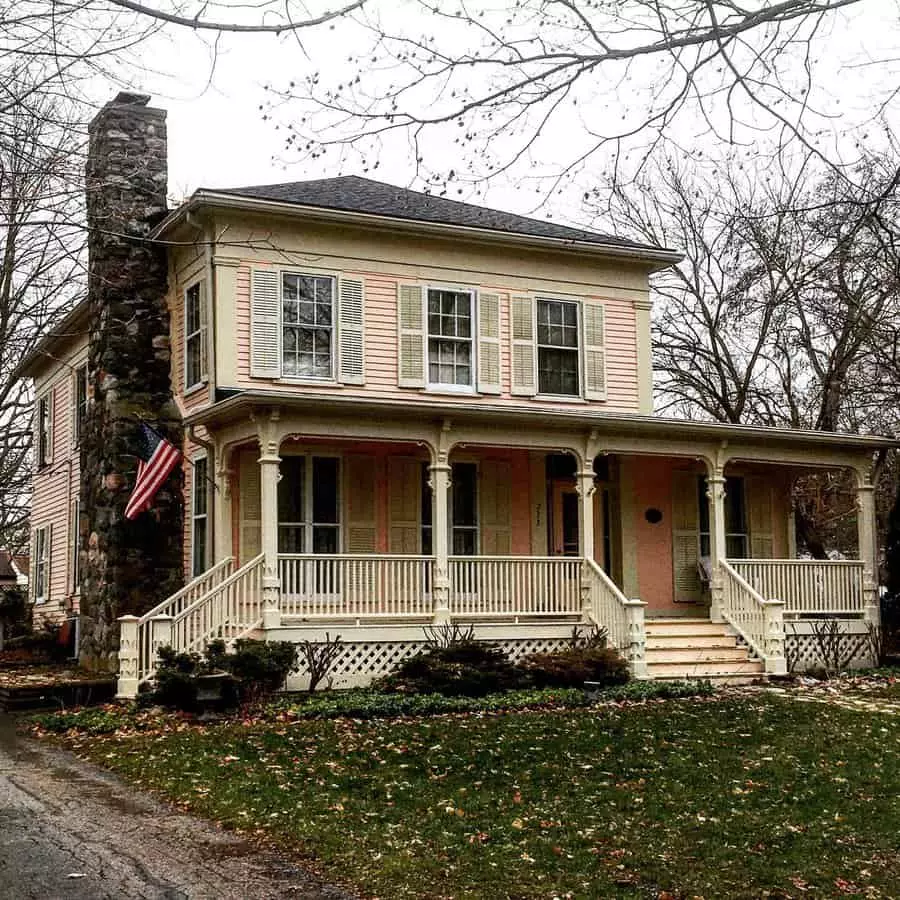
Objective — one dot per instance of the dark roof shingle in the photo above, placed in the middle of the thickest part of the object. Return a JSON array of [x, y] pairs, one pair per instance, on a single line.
[[362, 195]]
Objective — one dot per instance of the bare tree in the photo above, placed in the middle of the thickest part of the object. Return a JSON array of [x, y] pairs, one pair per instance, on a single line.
[[41, 269], [784, 310], [550, 87]]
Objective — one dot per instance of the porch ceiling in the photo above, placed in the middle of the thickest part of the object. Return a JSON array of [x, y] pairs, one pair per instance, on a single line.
[[841, 449]]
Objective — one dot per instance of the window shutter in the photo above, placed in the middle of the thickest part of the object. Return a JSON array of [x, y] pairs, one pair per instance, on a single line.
[[351, 356], [404, 485], [410, 336], [524, 347], [758, 494], [250, 502], [265, 324], [489, 343], [685, 537], [593, 327], [360, 491], [496, 507], [204, 331], [51, 424]]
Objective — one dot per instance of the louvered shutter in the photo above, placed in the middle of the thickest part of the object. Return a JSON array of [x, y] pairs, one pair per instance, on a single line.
[[593, 329], [51, 424], [685, 537], [404, 506], [523, 347], [250, 505], [489, 343], [351, 338], [758, 495], [360, 491], [495, 507], [265, 324], [204, 332], [410, 336]]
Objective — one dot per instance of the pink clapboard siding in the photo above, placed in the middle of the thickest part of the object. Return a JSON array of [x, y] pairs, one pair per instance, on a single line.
[[55, 488], [198, 396], [381, 346]]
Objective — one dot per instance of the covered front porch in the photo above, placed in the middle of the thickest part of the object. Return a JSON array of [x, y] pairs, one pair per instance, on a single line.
[[377, 529]]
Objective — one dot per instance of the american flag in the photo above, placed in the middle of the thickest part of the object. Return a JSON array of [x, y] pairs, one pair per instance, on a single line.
[[157, 458]]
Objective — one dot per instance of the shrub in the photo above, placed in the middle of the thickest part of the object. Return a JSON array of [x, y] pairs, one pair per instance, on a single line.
[[464, 668], [43, 644], [257, 669], [575, 665]]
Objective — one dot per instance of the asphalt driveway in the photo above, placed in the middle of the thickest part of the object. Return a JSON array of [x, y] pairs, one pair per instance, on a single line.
[[71, 832]]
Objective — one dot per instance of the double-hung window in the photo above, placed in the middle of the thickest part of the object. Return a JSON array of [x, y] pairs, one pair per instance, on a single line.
[[194, 336], [307, 310], [44, 429], [81, 391], [735, 518], [200, 516], [557, 347], [450, 350], [41, 585], [309, 505]]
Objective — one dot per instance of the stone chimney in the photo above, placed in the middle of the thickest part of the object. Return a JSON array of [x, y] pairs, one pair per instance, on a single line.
[[128, 566]]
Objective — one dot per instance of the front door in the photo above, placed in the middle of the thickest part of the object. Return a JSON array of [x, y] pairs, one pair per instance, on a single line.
[[564, 520]]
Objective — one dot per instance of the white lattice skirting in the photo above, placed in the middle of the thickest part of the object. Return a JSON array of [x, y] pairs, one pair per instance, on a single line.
[[802, 652], [364, 660]]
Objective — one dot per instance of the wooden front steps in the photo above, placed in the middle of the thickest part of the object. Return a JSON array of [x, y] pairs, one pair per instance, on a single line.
[[698, 648]]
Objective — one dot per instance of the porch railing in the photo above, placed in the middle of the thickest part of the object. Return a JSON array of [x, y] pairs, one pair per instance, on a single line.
[[175, 605], [760, 622], [229, 610], [355, 586], [807, 586], [623, 617], [512, 586]]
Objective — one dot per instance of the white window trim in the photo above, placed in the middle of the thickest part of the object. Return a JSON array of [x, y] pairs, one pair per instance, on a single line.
[[46, 397], [540, 395], [201, 334], [38, 560], [201, 455], [335, 318], [440, 387], [79, 369], [308, 524]]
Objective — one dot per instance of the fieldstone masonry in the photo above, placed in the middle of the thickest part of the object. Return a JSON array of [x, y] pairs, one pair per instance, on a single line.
[[127, 567]]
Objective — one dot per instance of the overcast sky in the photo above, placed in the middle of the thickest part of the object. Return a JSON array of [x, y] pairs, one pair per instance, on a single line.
[[217, 136]]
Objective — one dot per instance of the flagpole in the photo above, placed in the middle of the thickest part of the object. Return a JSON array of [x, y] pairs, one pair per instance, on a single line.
[[143, 421]]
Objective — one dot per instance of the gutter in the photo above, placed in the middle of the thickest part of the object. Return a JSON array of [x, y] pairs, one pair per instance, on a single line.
[[604, 422], [657, 257]]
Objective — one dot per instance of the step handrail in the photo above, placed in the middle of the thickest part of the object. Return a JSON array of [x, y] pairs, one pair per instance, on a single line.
[[164, 608], [759, 622]]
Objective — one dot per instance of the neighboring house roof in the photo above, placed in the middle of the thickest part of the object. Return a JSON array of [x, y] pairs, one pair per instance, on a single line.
[[370, 201], [13, 569], [47, 350]]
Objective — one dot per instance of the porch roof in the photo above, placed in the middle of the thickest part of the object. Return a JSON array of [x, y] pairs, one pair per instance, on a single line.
[[239, 405]]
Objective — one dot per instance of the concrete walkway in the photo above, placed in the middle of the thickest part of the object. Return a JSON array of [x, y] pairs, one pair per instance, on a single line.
[[71, 832]]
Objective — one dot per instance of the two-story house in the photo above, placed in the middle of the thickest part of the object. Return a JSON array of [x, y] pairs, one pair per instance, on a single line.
[[401, 409]]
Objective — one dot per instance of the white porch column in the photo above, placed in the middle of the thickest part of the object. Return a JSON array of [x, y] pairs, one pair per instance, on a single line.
[[868, 543], [715, 494], [439, 483], [586, 486], [269, 461]]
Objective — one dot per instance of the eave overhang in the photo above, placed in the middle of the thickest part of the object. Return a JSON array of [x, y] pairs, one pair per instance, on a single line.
[[652, 258], [241, 405]]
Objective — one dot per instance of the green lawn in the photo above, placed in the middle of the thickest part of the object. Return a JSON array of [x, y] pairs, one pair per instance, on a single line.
[[742, 797]]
